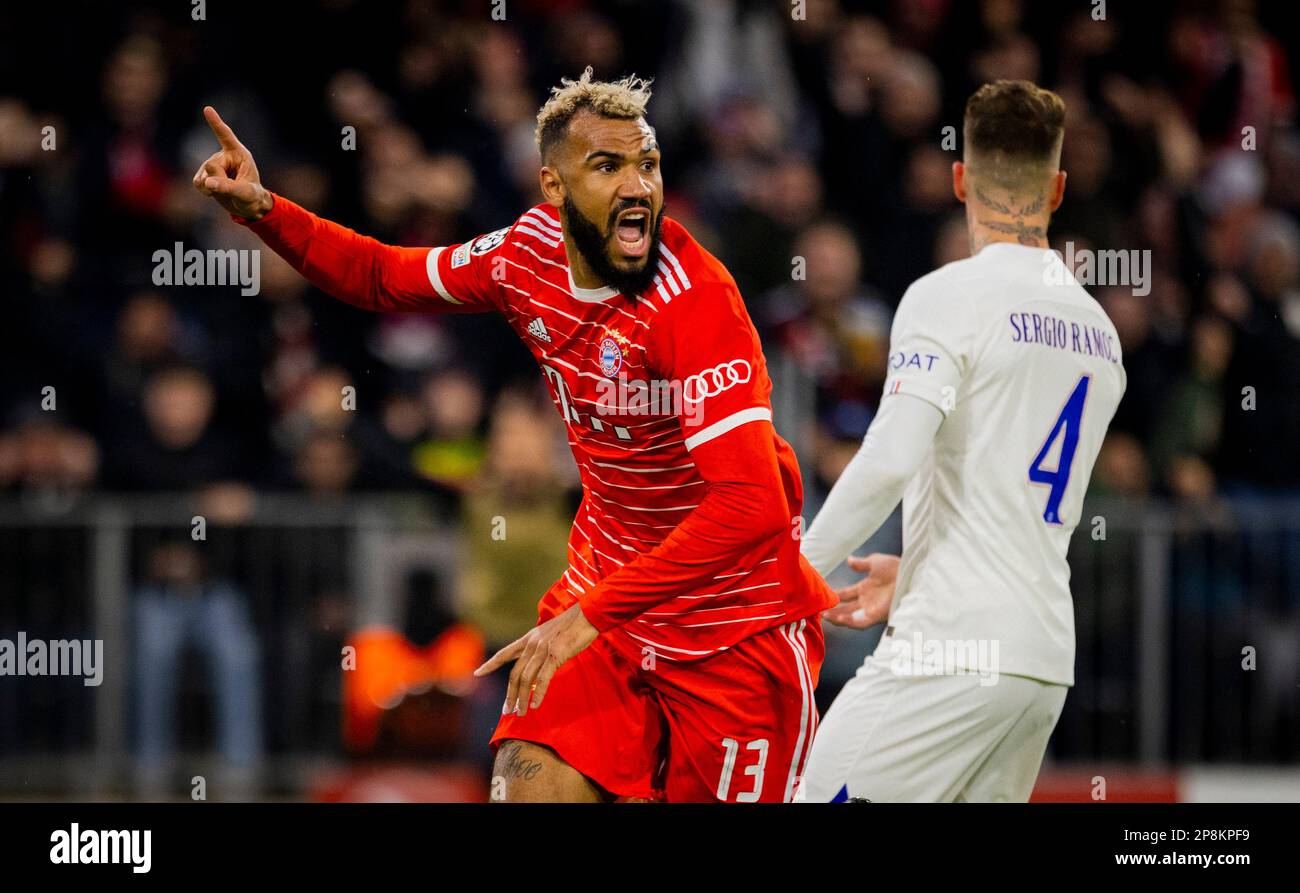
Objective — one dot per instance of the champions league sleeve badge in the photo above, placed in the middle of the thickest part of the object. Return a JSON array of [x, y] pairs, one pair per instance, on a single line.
[[484, 244]]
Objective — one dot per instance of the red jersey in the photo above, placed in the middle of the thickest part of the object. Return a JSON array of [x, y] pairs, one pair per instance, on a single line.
[[641, 381]]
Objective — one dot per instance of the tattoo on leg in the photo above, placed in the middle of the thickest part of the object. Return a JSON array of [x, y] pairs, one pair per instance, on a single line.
[[512, 764]]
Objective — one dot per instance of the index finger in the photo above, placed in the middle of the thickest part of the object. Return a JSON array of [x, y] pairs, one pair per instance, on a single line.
[[502, 657], [225, 136]]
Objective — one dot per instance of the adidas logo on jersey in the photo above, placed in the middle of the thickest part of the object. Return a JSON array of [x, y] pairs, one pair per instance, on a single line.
[[537, 329]]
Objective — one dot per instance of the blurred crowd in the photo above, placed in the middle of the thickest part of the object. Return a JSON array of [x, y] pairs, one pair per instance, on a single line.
[[808, 145], [816, 133]]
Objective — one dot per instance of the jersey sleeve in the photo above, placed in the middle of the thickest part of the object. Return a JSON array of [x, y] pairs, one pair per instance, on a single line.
[[708, 346], [930, 344], [366, 273], [469, 275]]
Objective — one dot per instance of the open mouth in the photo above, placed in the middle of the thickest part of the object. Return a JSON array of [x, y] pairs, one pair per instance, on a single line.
[[632, 231]]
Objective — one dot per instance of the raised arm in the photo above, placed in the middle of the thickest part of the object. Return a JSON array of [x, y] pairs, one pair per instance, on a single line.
[[354, 268]]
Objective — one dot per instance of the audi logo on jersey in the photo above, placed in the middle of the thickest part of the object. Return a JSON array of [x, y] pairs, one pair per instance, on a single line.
[[712, 382]]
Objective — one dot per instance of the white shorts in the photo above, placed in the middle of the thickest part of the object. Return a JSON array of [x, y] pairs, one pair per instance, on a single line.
[[915, 738]]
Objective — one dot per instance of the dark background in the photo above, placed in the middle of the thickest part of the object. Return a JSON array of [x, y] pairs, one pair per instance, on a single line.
[[820, 138]]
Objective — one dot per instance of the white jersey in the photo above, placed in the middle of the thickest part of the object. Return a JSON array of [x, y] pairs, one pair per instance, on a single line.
[[1026, 368]]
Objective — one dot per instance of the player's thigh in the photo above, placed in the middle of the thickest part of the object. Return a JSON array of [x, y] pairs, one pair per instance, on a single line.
[[597, 719], [740, 722], [900, 737], [845, 732], [524, 772], [1008, 774]]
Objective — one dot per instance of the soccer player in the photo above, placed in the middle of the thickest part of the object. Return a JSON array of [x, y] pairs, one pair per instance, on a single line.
[[1003, 376], [677, 656]]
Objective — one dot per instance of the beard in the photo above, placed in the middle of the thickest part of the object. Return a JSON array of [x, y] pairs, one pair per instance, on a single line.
[[594, 246]]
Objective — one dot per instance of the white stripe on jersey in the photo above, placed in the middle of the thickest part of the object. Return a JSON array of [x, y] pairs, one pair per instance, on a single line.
[[620, 543], [545, 260], [646, 508], [580, 557], [573, 570], [657, 646], [721, 622], [435, 278], [730, 591], [591, 543], [643, 486], [581, 322], [538, 218], [622, 445], [668, 277], [541, 237], [742, 573], [681, 274], [643, 470], [702, 610], [735, 420]]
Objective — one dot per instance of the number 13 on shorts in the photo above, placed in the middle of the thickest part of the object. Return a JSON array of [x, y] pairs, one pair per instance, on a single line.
[[732, 749]]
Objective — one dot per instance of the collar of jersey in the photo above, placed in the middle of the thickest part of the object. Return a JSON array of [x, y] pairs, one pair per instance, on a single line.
[[1014, 247], [590, 295]]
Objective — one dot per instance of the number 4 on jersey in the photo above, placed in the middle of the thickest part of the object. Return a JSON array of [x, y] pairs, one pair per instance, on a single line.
[[1066, 426]]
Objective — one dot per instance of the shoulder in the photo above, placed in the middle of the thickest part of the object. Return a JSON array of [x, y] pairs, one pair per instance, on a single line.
[[941, 286], [689, 279], [939, 300], [695, 298], [539, 226], [689, 261], [536, 231]]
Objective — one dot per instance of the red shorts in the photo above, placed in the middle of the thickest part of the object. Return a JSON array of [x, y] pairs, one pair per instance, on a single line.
[[734, 727]]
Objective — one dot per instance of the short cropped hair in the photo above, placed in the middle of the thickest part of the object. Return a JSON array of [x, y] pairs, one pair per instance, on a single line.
[[1013, 131], [626, 100]]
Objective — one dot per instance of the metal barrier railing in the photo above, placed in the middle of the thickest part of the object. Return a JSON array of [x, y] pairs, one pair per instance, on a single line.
[[1188, 623]]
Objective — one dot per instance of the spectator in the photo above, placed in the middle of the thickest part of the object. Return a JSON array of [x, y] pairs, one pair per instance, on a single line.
[[181, 608]]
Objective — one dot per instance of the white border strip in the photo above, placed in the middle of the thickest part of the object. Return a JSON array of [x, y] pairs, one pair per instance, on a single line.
[[735, 420], [431, 264]]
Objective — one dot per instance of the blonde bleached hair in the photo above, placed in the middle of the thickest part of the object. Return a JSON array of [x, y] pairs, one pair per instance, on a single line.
[[626, 100]]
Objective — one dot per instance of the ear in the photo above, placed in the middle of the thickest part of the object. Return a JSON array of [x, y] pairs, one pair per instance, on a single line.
[[1058, 189], [959, 181], [552, 186]]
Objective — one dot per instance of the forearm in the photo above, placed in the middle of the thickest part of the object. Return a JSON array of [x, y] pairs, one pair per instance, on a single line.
[[735, 517], [354, 268], [873, 482]]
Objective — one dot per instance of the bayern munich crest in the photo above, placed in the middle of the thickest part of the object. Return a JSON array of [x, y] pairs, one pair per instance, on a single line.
[[611, 357]]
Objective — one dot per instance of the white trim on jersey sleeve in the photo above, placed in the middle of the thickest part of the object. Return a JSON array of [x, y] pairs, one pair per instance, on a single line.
[[434, 278], [735, 420]]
